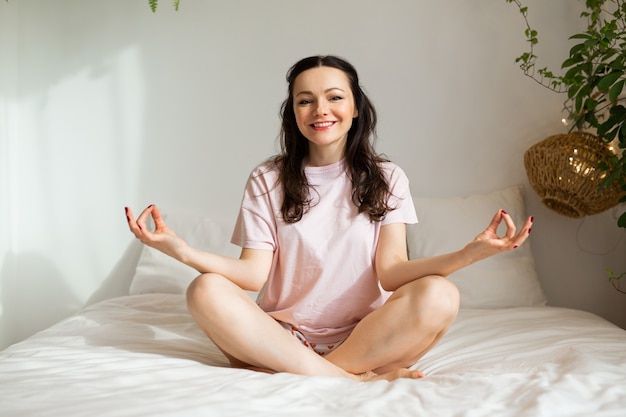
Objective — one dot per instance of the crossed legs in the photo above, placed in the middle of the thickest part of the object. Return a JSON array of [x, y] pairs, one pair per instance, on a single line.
[[387, 341], [399, 333]]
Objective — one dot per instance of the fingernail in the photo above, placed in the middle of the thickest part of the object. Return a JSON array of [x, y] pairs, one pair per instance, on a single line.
[[504, 212], [127, 219], [515, 247], [125, 209], [530, 230], [150, 205], [532, 219]]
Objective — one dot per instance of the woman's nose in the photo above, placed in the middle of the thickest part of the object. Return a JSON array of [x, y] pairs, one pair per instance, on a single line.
[[322, 108]]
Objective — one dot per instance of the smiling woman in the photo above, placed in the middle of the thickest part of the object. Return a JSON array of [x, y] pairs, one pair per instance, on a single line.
[[345, 203]]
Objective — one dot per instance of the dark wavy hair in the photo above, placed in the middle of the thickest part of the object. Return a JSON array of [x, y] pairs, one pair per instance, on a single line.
[[370, 190]]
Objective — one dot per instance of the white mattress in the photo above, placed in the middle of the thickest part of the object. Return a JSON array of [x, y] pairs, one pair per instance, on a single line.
[[142, 355]]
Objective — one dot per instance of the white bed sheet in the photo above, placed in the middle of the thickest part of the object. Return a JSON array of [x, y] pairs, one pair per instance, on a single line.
[[142, 355]]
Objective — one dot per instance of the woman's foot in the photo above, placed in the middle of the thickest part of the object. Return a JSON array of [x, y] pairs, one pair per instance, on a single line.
[[391, 376], [364, 377]]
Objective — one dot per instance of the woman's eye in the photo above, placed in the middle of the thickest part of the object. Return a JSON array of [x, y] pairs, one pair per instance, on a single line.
[[304, 102], [336, 98]]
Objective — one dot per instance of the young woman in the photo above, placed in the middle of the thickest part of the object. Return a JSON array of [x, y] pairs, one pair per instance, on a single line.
[[322, 231]]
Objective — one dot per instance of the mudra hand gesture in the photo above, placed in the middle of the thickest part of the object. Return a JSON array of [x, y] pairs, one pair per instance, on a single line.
[[161, 238], [489, 243]]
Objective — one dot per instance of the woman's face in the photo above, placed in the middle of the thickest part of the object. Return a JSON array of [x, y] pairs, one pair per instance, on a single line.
[[324, 108]]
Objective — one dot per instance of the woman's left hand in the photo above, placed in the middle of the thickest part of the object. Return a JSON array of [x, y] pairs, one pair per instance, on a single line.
[[489, 243]]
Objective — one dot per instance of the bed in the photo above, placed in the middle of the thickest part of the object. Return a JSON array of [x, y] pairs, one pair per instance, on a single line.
[[507, 354]]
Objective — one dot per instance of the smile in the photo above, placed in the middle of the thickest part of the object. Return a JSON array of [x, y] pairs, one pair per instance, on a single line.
[[322, 125]]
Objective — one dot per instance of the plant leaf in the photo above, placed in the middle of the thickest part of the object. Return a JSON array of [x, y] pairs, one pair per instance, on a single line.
[[616, 90], [572, 72], [573, 59], [607, 81], [576, 49]]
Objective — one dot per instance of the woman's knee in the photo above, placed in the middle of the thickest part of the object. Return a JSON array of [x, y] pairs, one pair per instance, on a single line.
[[205, 291], [443, 289], [436, 293]]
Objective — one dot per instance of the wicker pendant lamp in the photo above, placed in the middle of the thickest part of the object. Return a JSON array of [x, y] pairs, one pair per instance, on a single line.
[[563, 170]]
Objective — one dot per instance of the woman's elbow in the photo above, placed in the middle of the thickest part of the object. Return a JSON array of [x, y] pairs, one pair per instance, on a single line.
[[387, 282], [255, 283]]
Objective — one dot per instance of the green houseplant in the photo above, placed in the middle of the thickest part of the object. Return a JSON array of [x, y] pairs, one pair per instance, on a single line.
[[593, 81]]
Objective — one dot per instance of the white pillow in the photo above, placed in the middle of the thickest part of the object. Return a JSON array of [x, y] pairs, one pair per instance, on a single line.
[[447, 224], [159, 273]]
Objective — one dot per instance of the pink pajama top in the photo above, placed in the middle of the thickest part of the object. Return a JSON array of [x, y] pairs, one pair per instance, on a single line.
[[322, 280]]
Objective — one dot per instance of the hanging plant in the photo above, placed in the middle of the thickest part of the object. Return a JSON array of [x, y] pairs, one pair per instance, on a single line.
[[593, 80], [154, 3]]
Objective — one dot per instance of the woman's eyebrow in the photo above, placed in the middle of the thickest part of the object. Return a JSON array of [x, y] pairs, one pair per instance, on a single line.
[[325, 91]]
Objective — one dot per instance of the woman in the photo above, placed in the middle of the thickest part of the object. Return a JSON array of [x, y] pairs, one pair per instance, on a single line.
[[322, 230]]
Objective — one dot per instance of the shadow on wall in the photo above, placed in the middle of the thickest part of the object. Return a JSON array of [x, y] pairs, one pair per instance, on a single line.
[[117, 283], [33, 301]]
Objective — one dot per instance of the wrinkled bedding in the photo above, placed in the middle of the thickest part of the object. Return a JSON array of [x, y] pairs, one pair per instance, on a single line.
[[142, 355]]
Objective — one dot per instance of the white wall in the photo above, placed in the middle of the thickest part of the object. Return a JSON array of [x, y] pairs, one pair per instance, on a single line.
[[8, 144], [105, 104]]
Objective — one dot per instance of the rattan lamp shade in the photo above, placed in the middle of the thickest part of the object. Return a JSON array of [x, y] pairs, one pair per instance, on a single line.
[[563, 170]]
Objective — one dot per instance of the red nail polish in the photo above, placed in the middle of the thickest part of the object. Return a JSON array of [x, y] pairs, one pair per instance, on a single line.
[[504, 212], [530, 230], [515, 247], [532, 219], [127, 219]]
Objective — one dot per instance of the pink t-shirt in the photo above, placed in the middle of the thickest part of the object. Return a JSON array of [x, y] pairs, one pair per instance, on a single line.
[[322, 279]]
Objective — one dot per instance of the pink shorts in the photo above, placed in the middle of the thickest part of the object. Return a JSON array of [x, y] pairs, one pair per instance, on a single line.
[[321, 349]]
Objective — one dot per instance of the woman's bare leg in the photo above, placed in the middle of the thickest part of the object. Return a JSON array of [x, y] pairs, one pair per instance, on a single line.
[[251, 338], [400, 332]]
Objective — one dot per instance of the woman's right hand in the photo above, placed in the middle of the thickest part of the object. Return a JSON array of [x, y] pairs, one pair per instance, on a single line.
[[161, 238]]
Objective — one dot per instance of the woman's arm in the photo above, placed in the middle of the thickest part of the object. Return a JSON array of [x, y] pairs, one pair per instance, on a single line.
[[394, 269], [249, 272]]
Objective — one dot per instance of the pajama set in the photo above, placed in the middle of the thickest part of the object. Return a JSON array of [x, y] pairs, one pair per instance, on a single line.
[[322, 280]]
